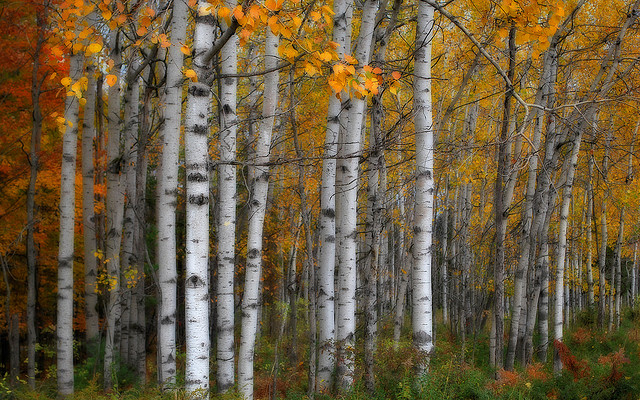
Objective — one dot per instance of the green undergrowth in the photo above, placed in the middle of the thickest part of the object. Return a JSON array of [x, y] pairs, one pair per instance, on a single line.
[[598, 365]]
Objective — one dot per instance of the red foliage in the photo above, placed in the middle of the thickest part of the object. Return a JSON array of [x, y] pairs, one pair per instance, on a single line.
[[506, 379], [615, 360], [582, 335], [578, 368], [537, 372]]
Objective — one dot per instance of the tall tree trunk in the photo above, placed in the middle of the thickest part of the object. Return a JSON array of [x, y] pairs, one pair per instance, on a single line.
[[130, 156], [618, 268], [259, 186], [602, 253], [197, 129], [346, 210], [327, 223], [589, 226], [561, 257], [500, 209], [168, 193], [115, 211], [402, 272], [34, 160], [64, 325], [227, 216], [422, 302], [88, 214]]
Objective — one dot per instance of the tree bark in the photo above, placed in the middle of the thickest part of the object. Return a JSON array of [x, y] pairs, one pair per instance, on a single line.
[[422, 301], [167, 201], [227, 216], [259, 186], [64, 325]]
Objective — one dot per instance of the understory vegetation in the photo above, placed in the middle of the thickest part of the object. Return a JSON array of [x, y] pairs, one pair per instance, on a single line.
[[598, 364]]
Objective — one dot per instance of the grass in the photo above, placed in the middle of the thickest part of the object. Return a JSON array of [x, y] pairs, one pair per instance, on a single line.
[[598, 364]]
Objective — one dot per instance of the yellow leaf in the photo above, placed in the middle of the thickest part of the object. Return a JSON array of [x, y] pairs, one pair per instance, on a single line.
[[310, 69], [349, 59], [94, 48], [66, 81], [325, 56], [238, 13], [191, 74], [111, 79], [106, 15], [185, 50]]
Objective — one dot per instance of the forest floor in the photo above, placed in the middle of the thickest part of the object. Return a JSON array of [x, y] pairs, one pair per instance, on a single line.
[[598, 364]]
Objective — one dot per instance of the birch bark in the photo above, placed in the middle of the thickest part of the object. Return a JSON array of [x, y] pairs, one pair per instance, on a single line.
[[197, 129], [166, 208], [422, 312], [259, 186]]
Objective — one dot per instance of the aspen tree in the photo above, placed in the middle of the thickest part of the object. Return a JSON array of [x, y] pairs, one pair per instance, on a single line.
[[227, 212], [422, 302], [64, 324], [115, 210], [259, 186], [327, 223], [168, 191], [197, 129], [346, 209]]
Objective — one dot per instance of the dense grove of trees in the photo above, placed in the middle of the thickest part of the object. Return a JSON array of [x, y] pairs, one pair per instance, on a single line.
[[180, 178]]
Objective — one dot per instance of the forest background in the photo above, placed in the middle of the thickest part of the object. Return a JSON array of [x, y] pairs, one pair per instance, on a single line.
[[398, 199]]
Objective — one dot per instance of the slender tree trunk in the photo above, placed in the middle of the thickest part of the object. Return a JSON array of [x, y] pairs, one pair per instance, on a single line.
[[500, 209], [259, 186], [346, 210], [34, 160], [168, 192], [422, 302], [115, 210], [403, 273], [327, 223], [618, 285], [562, 248], [88, 215], [227, 216], [64, 325], [602, 253], [131, 114], [589, 223], [14, 346]]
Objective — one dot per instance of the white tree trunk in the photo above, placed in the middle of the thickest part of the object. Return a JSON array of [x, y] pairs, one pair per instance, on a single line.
[[166, 206], [197, 130], [562, 248], [346, 210], [64, 325], [422, 312], [227, 214], [327, 223], [259, 186]]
